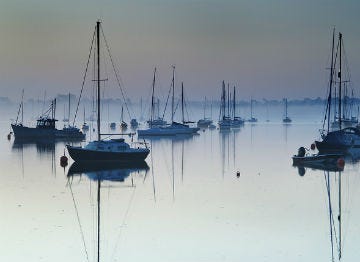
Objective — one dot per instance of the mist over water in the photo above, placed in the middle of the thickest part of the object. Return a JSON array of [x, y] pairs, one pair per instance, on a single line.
[[189, 205]]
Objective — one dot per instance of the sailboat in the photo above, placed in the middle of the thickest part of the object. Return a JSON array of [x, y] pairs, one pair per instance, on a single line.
[[46, 128], [123, 124], [155, 119], [205, 122], [252, 119], [174, 128], [85, 126], [343, 139], [224, 121], [286, 118], [105, 150], [236, 121]]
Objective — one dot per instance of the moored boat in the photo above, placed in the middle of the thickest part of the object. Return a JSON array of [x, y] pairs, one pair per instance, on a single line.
[[106, 150], [46, 128]]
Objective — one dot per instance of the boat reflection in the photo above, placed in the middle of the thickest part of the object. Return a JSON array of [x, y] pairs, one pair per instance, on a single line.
[[43, 146], [335, 230], [109, 171], [323, 166]]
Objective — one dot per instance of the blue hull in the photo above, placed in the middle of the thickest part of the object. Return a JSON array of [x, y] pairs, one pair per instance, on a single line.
[[79, 154], [23, 132]]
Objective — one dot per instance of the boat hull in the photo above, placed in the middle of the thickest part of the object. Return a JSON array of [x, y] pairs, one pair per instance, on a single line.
[[172, 130], [340, 140], [23, 132], [320, 158], [79, 154]]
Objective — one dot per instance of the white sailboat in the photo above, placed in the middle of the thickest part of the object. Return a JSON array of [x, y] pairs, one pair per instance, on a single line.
[[174, 128]]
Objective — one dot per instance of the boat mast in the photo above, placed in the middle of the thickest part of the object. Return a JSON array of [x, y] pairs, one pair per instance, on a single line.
[[182, 102], [251, 107], [339, 76], [69, 111], [234, 103], [173, 94], [223, 100], [228, 101], [152, 100], [331, 83], [98, 77]]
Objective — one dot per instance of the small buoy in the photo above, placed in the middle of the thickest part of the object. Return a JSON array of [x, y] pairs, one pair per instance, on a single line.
[[238, 173], [313, 146], [341, 162], [63, 161]]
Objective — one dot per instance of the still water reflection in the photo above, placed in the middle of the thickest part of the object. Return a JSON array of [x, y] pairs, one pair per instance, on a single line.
[[186, 203]]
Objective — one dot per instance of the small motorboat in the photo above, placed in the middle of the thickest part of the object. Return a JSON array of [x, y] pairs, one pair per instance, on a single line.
[[304, 158]]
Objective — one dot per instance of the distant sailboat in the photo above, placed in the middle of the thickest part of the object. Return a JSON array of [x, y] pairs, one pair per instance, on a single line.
[[85, 126], [236, 121], [155, 119], [123, 124], [252, 118], [286, 118], [224, 121], [205, 121], [174, 128], [105, 150]]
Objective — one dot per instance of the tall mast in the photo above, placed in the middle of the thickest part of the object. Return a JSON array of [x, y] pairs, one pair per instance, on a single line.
[[339, 76], [69, 111], [251, 107], [228, 101], [182, 102], [22, 107], [173, 94], [234, 103], [152, 99], [204, 107], [98, 77], [223, 100], [331, 79]]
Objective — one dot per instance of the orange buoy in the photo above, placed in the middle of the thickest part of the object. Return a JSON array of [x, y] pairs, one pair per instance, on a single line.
[[341, 162], [63, 161], [313, 146]]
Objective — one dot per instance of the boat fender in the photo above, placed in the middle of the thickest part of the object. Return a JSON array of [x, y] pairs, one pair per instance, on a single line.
[[63, 161], [341, 162], [9, 136], [301, 152]]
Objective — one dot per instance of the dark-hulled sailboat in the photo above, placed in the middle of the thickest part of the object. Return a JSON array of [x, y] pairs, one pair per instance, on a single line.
[[105, 150]]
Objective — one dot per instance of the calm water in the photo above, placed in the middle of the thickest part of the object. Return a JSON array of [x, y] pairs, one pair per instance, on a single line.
[[188, 206]]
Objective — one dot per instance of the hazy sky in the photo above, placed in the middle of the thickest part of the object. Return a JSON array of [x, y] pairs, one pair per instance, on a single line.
[[269, 49]]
